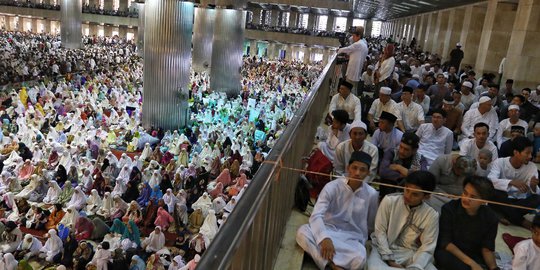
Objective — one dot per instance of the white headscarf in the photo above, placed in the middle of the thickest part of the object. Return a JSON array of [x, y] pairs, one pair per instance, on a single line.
[[32, 246], [53, 245], [52, 193], [69, 219], [209, 227], [119, 188], [78, 200], [179, 263], [156, 241], [93, 200], [9, 262]]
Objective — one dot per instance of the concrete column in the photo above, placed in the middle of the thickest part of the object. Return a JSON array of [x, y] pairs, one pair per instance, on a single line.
[[326, 56], [311, 22], [430, 28], [453, 33], [440, 31], [71, 14], [288, 52], [167, 60], [410, 32], [94, 3], [47, 26], [416, 27], [93, 29], [272, 51], [367, 28], [307, 55], [140, 30], [108, 30], [495, 37], [122, 31], [256, 16], [203, 33], [523, 56], [35, 26], [264, 15], [293, 19], [274, 20], [330, 23], [227, 51], [252, 47], [108, 4], [349, 23], [123, 5]]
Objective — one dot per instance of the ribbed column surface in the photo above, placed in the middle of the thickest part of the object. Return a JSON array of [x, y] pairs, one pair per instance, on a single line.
[[203, 32], [70, 31], [140, 30], [167, 60], [227, 51]]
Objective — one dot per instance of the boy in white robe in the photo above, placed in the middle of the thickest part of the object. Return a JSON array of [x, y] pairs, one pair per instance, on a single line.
[[342, 219], [527, 252], [402, 220]]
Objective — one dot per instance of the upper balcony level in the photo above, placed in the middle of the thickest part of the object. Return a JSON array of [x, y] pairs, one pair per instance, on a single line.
[[306, 5]]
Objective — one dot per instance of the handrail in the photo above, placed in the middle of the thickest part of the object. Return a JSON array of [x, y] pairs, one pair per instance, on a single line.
[[251, 236]]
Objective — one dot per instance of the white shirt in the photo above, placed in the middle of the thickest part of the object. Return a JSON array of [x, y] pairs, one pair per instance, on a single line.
[[386, 68], [469, 148], [534, 98], [344, 151], [473, 116], [411, 115], [502, 172], [357, 56], [351, 104], [505, 127], [526, 256], [468, 100], [424, 103], [434, 142], [378, 107], [367, 79]]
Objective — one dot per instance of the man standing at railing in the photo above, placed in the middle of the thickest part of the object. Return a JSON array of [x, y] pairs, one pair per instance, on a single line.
[[357, 52], [342, 219]]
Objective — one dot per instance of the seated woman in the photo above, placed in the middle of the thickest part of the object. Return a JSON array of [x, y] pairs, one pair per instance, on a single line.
[[144, 196], [115, 233], [67, 193], [170, 200], [26, 171], [163, 219], [82, 255], [119, 208], [28, 248], [52, 250], [78, 200], [131, 237], [133, 213], [68, 222], [93, 203], [83, 229], [53, 193], [37, 218], [55, 217], [100, 229], [150, 214], [10, 238], [154, 242], [468, 228], [107, 205]]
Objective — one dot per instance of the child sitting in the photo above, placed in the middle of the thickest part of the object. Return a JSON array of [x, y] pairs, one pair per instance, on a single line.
[[527, 252], [484, 162]]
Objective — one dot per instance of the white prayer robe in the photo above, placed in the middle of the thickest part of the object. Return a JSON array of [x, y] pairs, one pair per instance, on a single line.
[[395, 238], [328, 147], [411, 115], [468, 147], [346, 217], [153, 242], [344, 151], [434, 142], [473, 117], [526, 256], [502, 173], [52, 247], [351, 104], [504, 127]]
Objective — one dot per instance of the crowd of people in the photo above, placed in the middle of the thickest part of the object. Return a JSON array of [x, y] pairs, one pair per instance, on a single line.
[[89, 188], [86, 8], [421, 111]]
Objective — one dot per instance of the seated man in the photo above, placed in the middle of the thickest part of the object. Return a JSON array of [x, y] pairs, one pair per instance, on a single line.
[[454, 118], [356, 143], [506, 149], [505, 126], [412, 113], [482, 111], [338, 132], [516, 182], [406, 228], [467, 229], [342, 219], [527, 252], [450, 171], [387, 137], [435, 139], [345, 101], [472, 147], [383, 104], [397, 163]]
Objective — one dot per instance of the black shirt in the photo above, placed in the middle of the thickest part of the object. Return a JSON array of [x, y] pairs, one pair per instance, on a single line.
[[469, 233]]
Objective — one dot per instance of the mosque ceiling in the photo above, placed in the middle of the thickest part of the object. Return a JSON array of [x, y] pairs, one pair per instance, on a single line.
[[373, 9]]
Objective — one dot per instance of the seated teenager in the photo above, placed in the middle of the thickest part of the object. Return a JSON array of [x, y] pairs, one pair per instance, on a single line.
[[406, 228], [527, 252], [467, 229], [342, 219]]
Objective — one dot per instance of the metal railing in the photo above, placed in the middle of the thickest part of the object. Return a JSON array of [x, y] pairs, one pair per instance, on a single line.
[[251, 236]]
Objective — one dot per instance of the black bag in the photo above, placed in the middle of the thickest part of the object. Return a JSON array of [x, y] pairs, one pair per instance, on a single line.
[[301, 194]]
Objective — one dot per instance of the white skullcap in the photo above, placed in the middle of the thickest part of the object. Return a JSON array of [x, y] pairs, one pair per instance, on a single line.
[[386, 90], [358, 124], [416, 76], [403, 62], [372, 67], [458, 44], [513, 107], [467, 84], [484, 99]]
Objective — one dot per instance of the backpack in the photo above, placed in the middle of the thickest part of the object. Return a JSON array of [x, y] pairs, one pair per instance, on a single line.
[[301, 194]]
